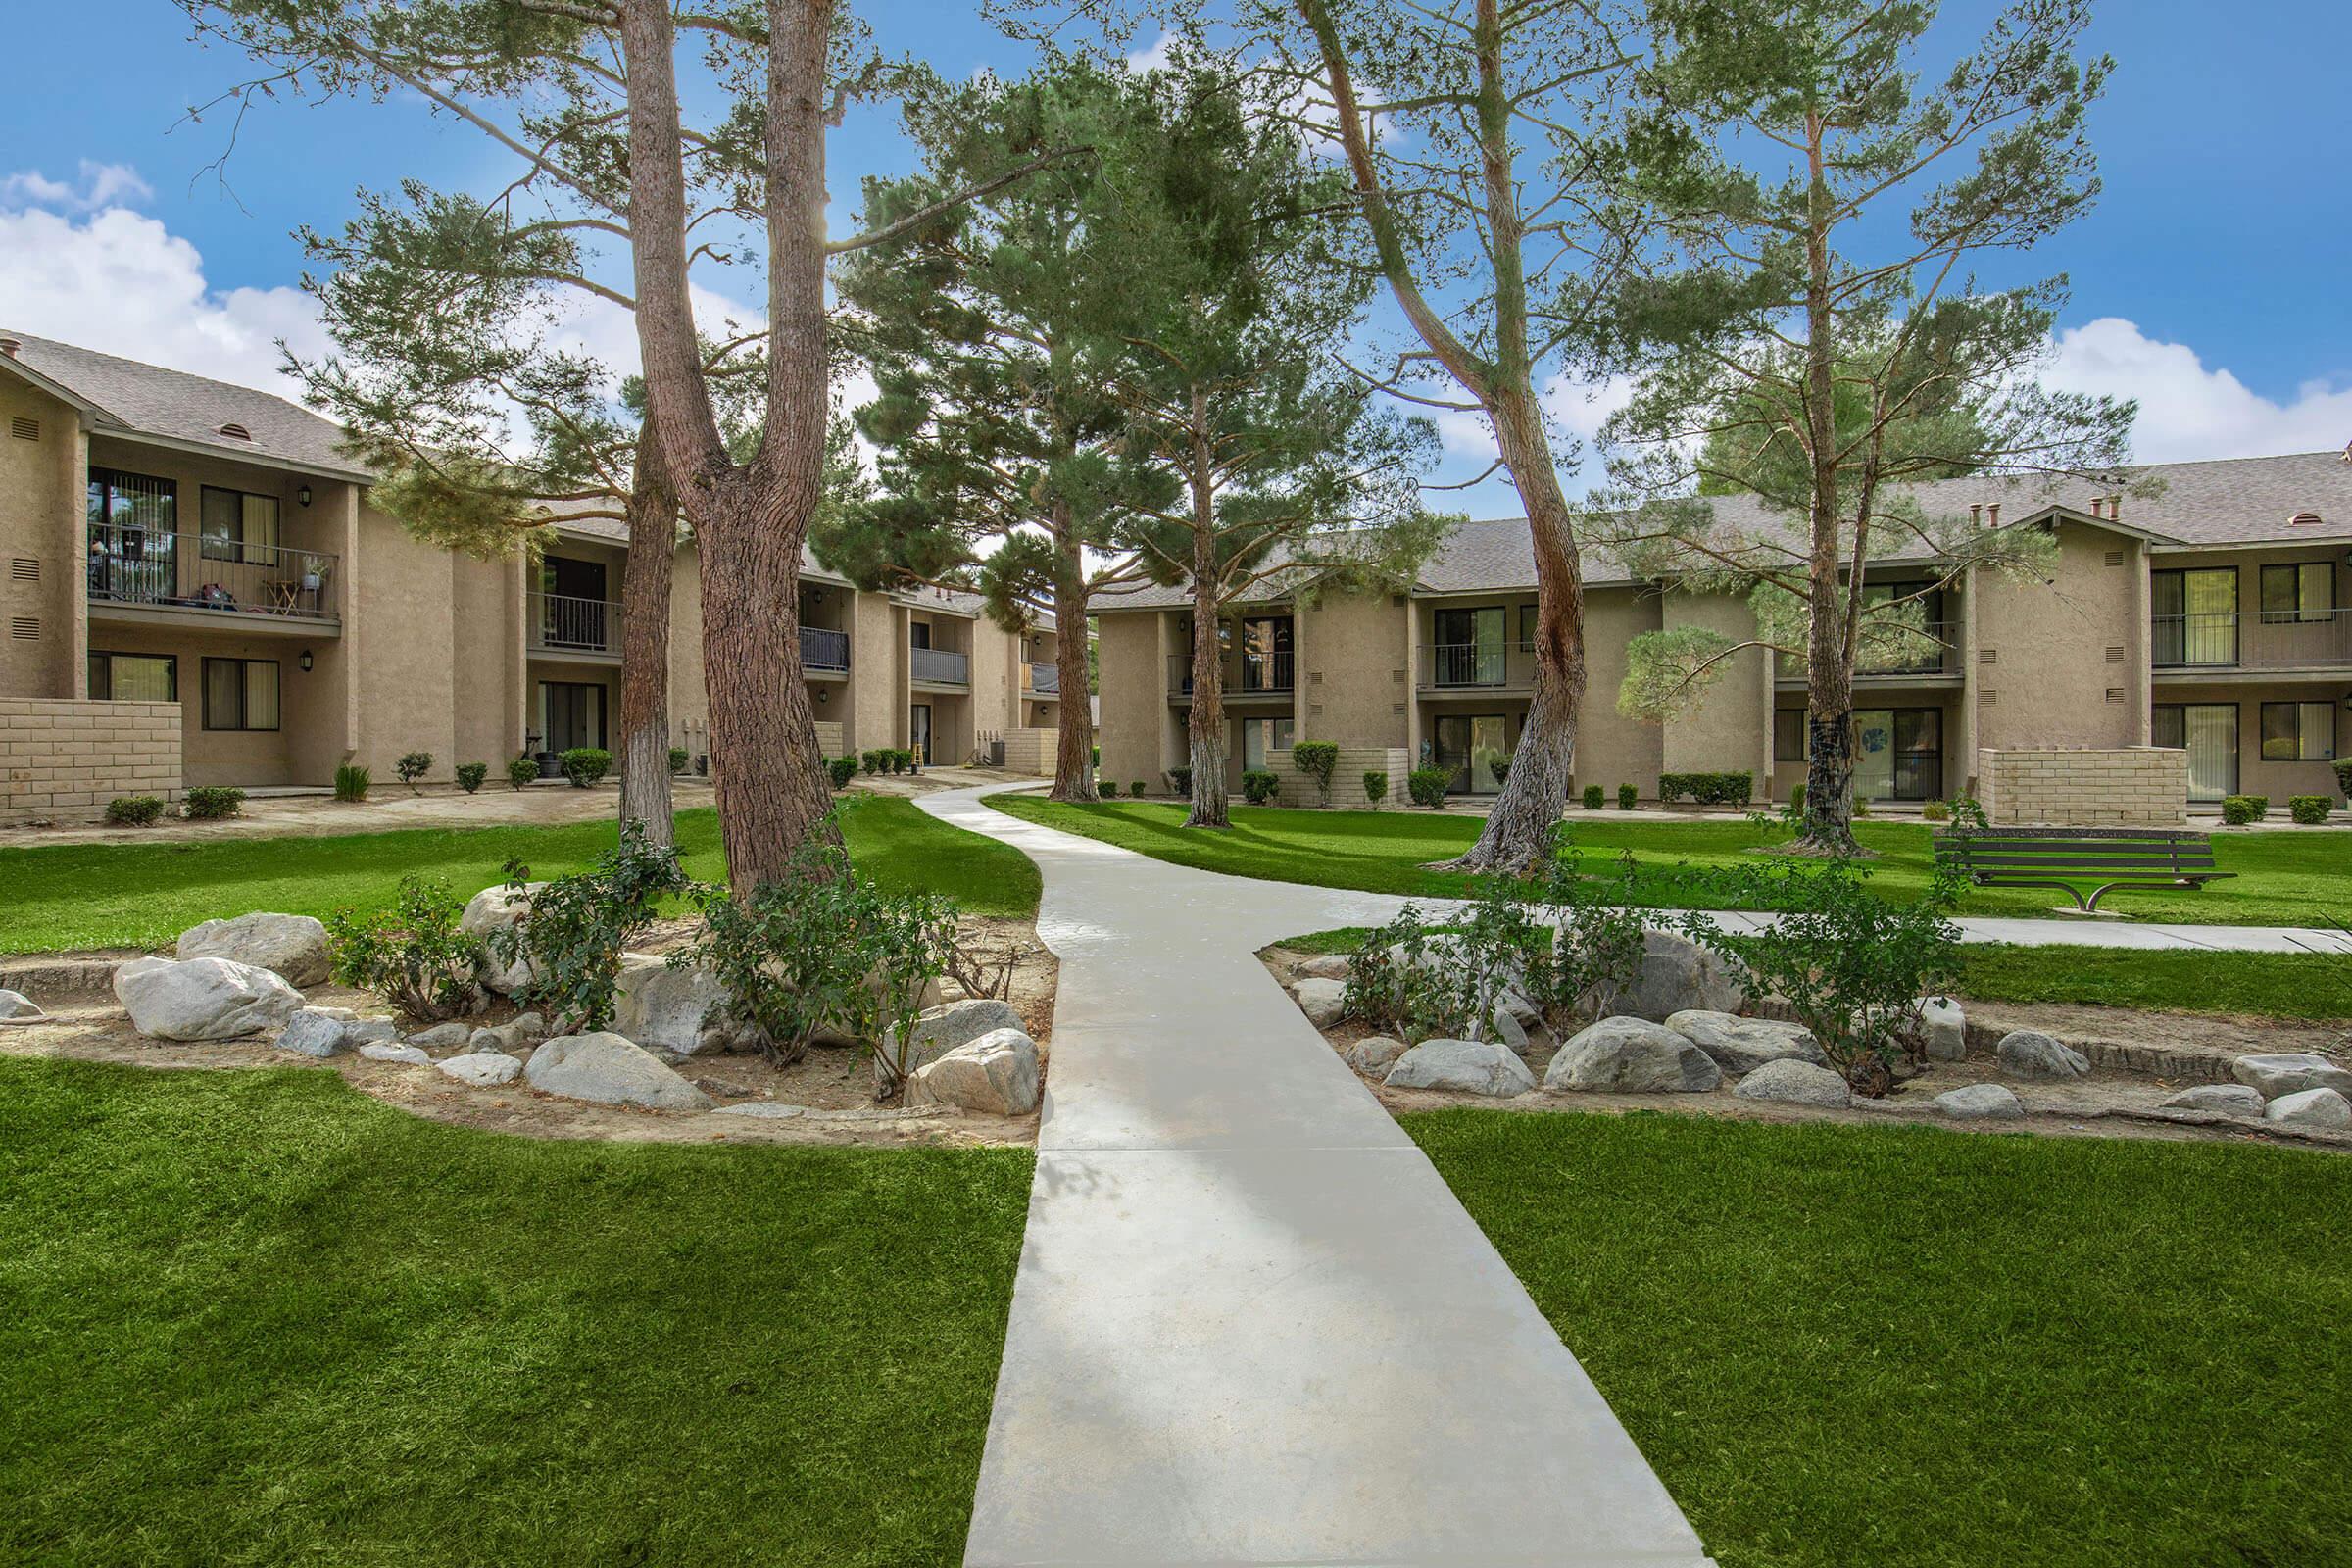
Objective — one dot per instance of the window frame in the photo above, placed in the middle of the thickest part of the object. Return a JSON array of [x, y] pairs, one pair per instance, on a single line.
[[238, 551], [245, 668], [1804, 735], [170, 663], [2301, 707], [2300, 614]]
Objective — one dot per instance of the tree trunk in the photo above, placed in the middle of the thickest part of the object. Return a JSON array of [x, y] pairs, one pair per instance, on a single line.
[[1829, 651], [1074, 747], [645, 786], [1205, 729]]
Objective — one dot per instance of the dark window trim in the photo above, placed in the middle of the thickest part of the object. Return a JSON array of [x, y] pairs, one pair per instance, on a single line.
[[1804, 732], [235, 548], [241, 727], [170, 663], [2238, 738], [2261, 730], [2301, 613]]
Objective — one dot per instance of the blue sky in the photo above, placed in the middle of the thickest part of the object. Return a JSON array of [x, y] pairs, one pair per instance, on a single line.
[[2210, 280]]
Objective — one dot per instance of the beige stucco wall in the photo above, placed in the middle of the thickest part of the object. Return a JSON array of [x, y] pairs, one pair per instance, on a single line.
[[877, 685], [1611, 749], [1729, 728], [1353, 670], [41, 515], [1136, 724], [486, 696], [61, 759], [404, 627], [2139, 786], [689, 696], [2059, 664]]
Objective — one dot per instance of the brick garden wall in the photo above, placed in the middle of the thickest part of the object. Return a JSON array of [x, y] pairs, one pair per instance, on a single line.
[[2138, 786], [1032, 752], [1346, 778], [828, 736], [63, 759]]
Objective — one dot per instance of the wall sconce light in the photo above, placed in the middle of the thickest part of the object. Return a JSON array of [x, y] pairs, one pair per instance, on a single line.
[[305, 661], [303, 494], [823, 697]]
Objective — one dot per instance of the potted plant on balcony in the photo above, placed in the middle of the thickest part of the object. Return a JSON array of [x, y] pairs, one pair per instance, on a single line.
[[313, 575]]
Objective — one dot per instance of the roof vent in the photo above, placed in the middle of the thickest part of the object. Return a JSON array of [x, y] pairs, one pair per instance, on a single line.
[[2304, 519], [10, 345], [236, 432]]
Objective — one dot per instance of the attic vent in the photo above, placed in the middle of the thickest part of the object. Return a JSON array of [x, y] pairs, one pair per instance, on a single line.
[[24, 430], [2115, 694], [23, 568], [1988, 656], [1315, 678], [25, 626], [2304, 519], [2115, 558], [1988, 699], [236, 432], [2115, 654]]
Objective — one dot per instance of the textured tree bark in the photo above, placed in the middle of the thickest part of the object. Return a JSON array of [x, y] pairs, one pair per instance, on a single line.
[[1074, 739], [1829, 651], [1205, 729], [644, 588]]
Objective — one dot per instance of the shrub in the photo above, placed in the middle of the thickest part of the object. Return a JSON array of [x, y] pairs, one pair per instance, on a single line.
[[1934, 812], [1500, 768], [2239, 810], [872, 761], [579, 925], [679, 757], [1108, 789], [1260, 786], [1097, 758], [522, 770], [1180, 781], [843, 770], [1136, 789], [412, 767], [1428, 786], [1594, 796], [1316, 760], [2343, 776], [1376, 786], [211, 802], [901, 761], [1861, 805], [585, 766], [412, 954], [1796, 798], [134, 811], [1628, 797], [2309, 809], [1708, 789], [819, 950], [471, 776], [351, 783]]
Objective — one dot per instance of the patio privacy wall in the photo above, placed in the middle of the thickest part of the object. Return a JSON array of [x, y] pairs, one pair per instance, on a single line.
[[1031, 751], [1347, 777], [63, 758], [2135, 786]]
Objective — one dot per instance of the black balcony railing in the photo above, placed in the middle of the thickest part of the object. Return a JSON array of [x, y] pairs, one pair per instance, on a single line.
[[941, 666], [824, 649], [133, 565], [1476, 665], [2258, 639], [562, 623], [1245, 674], [1932, 649], [1044, 679]]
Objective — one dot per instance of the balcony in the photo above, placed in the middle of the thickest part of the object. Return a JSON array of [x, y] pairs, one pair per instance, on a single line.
[[1045, 680], [1931, 652], [824, 650], [1247, 675], [939, 666], [2226, 641], [149, 575], [563, 626]]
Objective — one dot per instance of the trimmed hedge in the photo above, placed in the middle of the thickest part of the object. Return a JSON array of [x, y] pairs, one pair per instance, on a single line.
[[134, 811], [522, 770], [1260, 786], [2309, 809], [211, 802], [2343, 776], [1428, 786], [1708, 789], [843, 770], [585, 766], [1628, 797], [1594, 796], [2241, 809], [1376, 787]]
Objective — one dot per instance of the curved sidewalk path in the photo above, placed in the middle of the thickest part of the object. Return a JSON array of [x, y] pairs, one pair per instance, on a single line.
[[1251, 1324]]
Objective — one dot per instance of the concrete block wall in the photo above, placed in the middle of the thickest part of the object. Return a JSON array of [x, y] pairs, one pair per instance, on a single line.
[[63, 758], [1347, 777], [828, 737], [1032, 752], [2135, 786]]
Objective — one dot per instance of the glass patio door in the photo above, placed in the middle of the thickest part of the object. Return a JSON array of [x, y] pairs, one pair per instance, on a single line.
[[2194, 616], [1469, 744], [918, 729], [1470, 647], [1899, 754], [2208, 732]]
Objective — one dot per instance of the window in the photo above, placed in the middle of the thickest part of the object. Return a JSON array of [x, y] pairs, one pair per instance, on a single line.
[[2208, 732], [1788, 735], [239, 527], [1469, 647], [240, 694], [134, 677], [1266, 649], [2195, 616], [918, 634], [1262, 737], [134, 520], [2303, 590], [2298, 732]]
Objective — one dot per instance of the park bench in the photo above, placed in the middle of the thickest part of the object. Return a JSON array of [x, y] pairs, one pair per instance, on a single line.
[[2062, 857]]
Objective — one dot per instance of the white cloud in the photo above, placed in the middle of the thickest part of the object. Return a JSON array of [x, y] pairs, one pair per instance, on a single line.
[[1155, 58], [103, 184], [2188, 411]]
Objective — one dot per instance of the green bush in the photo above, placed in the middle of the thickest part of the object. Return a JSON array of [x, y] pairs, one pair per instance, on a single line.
[[1136, 789], [1108, 789], [1097, 758], [1708, 789], [579, 925], [1861, 805], [1260, 786], [679, 757], [1796, 800], [351, 783], [2239, 810], [873, 761], [1934, 812], [413, 954], [211, 802], [901, 761], [585, 766], [1316, 760], [1500, 768], [1376, 786], [843, 770], [1628, 797], [522, 770], [2309, 809], [1594, 797], [412, 767], [472, 774], [1180, 781], [2343, 776], [134, 811], [1428, 786]]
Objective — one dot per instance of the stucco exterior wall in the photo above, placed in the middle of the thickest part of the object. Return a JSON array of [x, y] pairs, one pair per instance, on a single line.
[[41, 514], [486, 716], [1135, 698], [1353, 670], [1611, 749], [61, 759], [2058, 663], [689, 696], [2139, 786], [1729, 728], [877, 681], [404, 625]]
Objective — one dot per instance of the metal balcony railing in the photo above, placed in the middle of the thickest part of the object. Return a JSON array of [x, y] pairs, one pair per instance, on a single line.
[[1446, 666], [133, 565], [824, 649], [1931, 650], [1044, 679], [560, 623], [2254, 639], [941, 666], [1245, 674]]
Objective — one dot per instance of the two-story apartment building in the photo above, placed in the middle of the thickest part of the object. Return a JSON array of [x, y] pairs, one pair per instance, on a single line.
[[2215, 616], [194, 569]]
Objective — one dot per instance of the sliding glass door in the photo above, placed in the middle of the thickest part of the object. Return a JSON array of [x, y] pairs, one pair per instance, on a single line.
[[1470, 650], [2208, 732], [2195, 616], [1470, 745], [1899, 754]]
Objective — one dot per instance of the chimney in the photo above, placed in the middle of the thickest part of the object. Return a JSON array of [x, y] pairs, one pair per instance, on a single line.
[[2115, 506], [10, 345], [2096, 505], [1976, 513], [1992, 514]]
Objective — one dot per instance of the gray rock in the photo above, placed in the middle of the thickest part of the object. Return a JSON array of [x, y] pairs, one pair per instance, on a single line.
[[292, 947], [760, 1111], [500, 907], [1466, 1066], [605, 1068], [2320, 1110], [1742, 1045], [2223, 1099], [484, 1070], [527, 1026], [680, 1012], [1374, 1055], [995, 1073], [1632, 1057], [1516, 1007], [2031, 1053], [17, 1005], [203, 998], [360, 1031], [1979, 1102], [381, 1051], [2289, 1072], [1945, 1028], [942, 1028], [1507, 1030], [1327, 966], [1678, 975], [1324, 1002], [442, 1036], [487, 1040], [317, 1032], [1794, 1083]]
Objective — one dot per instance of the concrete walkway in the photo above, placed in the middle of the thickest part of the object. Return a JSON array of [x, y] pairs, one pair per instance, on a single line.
[[1251, 1325]]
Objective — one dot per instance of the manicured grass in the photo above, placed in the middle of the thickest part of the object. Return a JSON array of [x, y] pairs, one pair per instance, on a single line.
[[256, 1317], [143, 895], [1845, 1346], [2282, 878]]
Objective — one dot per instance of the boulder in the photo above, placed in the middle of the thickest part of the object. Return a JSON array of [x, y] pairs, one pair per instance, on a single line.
[[1632, 1057], [1327, 966], [2317, 1109], [1792, 1081], [500, 907], [484, 1070], [1374, 1055], [1323, 1002], [442, 1036], [17, 1005], [1507, 1030], [1742, 1045], [1678, 975], [2291, 1073], [942, 1028], [529, 1026], [2031, 1053], [1945, 1028], [762, 1111], [1516, 1007], [1979, 1102], [203, 998], [386, 1050], [605, 1068], [292, 947], [680, 1012], [330, 1031], [1466, 1066], [997, 1073], [2221, 1100]]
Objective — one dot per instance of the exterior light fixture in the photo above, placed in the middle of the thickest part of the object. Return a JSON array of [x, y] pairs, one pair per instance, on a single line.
[[303, 495], [305, 661]]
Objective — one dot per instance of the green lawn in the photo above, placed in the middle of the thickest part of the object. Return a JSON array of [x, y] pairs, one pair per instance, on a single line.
[[255, 1317], [144, 895], [1845, 1346], [2282, 878]]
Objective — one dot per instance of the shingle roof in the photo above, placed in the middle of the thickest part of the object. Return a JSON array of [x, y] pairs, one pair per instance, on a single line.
[[128, 397]]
